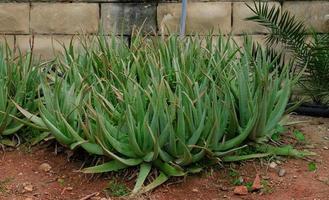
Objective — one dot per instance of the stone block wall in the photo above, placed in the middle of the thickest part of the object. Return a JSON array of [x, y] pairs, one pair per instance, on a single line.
[[54, 22]]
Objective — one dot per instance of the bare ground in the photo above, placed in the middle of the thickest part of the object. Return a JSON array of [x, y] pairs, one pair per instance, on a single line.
[[21, 178]]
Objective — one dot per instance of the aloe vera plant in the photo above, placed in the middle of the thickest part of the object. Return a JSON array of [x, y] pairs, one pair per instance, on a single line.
[[19, 84], [165, 104]]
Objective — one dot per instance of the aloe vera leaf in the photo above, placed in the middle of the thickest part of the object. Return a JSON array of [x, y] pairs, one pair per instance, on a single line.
[[144, 170]]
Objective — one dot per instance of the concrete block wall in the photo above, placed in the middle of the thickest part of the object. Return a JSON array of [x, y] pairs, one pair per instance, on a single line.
[[53, 22]]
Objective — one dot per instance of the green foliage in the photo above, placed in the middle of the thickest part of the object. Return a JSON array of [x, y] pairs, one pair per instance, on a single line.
[[266, 187], [19, 82], [233, 173], [235, 177], [279, 129], [299, 136], [165, 104], [61, 182], [116, 189], [312, 167], [310, 52], [249, 186]]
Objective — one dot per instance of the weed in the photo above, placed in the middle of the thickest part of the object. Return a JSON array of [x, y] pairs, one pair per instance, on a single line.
[[279, 129], [312, 167], [233, 173], [248, 185], [266, 187], [299, 136], [61, 182], [117, 189], [236, 178]]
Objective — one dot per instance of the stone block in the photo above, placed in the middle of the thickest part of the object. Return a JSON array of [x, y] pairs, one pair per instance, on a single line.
[[241, 12], [14, 18], [121, 18], [260, 39], [9, 39], [64, 18], [45, 47], [314, 13], [202, 17]]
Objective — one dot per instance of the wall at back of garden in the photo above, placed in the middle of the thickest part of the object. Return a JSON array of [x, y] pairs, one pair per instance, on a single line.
[[54, 22]]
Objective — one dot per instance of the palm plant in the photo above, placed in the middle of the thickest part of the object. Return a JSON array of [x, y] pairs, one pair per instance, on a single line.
[[310, 51]]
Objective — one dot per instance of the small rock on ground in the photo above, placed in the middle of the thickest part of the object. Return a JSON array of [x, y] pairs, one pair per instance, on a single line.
[[241, 190], [99, 198], [195, 190], [273, 165], [257, 185], [281, 172], [24, 187], [28, 187], [45, 167]]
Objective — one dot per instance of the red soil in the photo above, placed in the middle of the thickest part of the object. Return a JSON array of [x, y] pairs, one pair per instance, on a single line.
[[19, 168]]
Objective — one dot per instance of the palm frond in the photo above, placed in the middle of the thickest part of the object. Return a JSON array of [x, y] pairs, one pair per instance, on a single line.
[[283, 28], [310, 51]]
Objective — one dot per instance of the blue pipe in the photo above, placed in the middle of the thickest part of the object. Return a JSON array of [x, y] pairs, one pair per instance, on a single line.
[[183, 19]]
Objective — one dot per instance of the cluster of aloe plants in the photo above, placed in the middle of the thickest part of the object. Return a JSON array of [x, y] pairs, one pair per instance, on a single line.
[[164, 104]]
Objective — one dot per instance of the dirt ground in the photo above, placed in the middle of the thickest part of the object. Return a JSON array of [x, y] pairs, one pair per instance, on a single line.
[[21, 177]]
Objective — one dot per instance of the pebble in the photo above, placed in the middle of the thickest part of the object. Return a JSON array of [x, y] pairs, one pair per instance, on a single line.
[[273, 165], [257, 185], [326, 137], [24, 187], [20, 189], [281, 172], [28, 188], [195, 190], [325, 148], [45, 167], [99, 198], [241, 190], [28, 198], [223, 188]]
